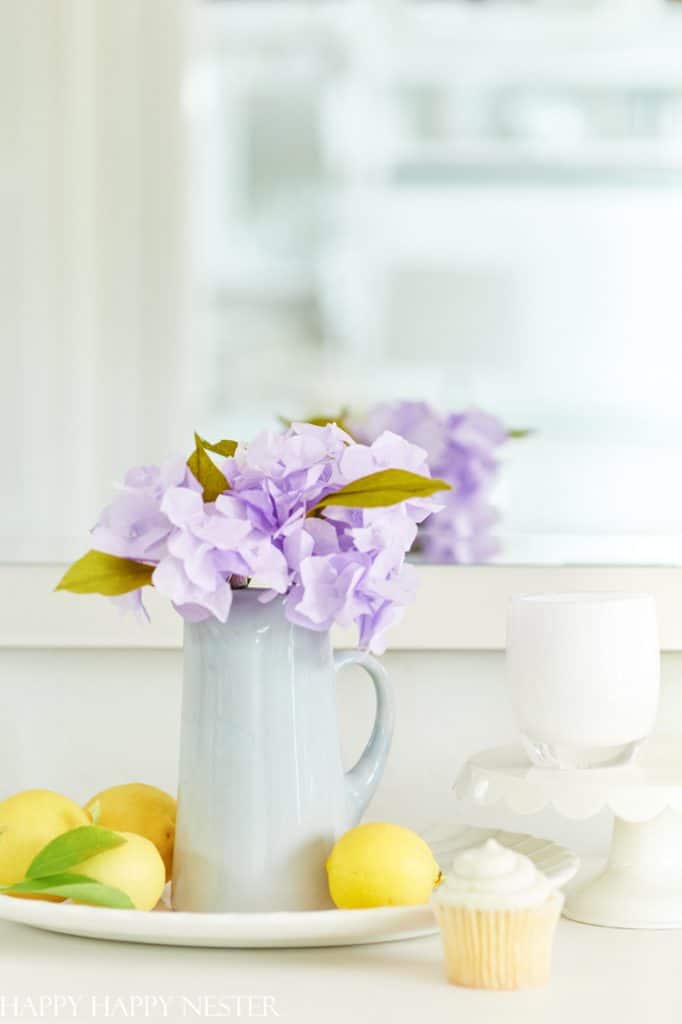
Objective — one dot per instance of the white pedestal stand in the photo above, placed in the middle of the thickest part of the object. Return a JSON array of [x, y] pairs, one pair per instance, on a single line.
[[641, 884]]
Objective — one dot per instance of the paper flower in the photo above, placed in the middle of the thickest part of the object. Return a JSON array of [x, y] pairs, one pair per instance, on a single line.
[[310, 514]]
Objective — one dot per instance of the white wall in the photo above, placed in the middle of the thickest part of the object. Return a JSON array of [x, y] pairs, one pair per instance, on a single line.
[[81, 720], [91, 257]]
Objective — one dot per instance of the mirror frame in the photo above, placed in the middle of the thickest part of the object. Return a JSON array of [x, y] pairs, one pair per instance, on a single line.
[[457, 607]]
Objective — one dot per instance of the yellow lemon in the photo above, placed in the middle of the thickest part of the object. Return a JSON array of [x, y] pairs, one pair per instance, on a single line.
[[381, 865], [28, 822], [135, 867], [138, 808]]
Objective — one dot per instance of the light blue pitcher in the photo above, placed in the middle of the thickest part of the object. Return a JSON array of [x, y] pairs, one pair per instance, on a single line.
[[262, 793]]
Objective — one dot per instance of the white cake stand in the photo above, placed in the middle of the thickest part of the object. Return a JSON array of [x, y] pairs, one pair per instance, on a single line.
[[641, 883]]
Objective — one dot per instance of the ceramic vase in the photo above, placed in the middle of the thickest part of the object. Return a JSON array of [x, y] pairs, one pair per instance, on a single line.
[[262, 793]]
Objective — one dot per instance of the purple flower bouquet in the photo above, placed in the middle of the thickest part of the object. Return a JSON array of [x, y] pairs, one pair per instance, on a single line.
[[460, 448], [309, 514]]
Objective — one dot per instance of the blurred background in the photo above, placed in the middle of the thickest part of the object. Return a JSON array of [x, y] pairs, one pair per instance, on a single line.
[[214, 214]]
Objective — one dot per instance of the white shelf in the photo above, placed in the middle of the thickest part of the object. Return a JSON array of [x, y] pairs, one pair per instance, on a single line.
[[452, 23]]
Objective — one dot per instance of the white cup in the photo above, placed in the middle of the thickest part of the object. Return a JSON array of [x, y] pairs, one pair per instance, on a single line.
[[583, 673]]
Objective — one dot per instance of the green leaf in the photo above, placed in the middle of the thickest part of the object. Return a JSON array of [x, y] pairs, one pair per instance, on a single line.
[[322, 421], [387, 487], [225, 448], [99, 573], [205, 470], [517, 433], [71, 848], [72, 887]]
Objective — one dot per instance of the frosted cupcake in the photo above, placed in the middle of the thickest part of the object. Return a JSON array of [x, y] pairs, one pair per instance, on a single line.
[[497, 914]]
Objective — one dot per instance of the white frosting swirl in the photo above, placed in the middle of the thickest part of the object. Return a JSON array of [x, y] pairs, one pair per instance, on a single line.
[[492, 877]]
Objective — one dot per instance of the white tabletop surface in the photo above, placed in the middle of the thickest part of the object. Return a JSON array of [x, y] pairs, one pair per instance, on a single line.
[[599, 975]]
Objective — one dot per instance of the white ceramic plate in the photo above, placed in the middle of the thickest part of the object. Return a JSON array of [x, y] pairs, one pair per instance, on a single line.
[[556, 862], [313, 928]]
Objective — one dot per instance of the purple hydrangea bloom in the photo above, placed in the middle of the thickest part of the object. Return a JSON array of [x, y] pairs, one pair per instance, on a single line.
[[344, 566], [461, 450], [133, 525]]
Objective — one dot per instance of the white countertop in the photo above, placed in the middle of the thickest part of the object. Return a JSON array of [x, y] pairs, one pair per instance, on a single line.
[[599, 975]]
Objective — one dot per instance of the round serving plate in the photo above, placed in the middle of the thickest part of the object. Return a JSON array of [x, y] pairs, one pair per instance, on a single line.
[[165, 927]]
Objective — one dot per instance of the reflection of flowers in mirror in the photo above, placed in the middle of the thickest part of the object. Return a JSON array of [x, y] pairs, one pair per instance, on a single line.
[[460, 448]]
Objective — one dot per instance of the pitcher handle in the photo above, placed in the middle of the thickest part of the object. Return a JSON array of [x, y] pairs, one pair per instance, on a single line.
[[364, 777]]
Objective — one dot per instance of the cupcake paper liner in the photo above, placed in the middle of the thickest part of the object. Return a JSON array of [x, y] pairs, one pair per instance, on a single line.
[[498, 949]]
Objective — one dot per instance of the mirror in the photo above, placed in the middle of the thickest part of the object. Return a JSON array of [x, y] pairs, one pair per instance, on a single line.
[[473, 208], [460, 221]]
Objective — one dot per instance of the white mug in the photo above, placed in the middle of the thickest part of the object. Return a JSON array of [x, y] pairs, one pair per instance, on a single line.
[[583, 672]]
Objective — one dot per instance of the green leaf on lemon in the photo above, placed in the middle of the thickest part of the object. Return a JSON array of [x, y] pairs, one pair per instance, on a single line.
[[386, 487], [204, 468], [72, 887], [99, 573], [71, 848]]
